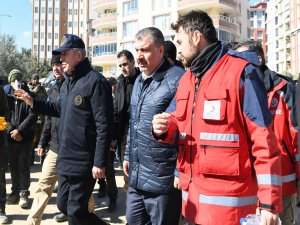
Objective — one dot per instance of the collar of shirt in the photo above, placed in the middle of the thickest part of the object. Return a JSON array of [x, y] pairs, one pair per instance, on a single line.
[[145, 77]]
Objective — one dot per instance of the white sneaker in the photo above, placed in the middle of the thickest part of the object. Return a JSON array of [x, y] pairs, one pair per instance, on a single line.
[[3, 218], [24, 203]]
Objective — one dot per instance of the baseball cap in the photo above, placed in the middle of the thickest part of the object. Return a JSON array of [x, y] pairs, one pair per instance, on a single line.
[[69, 41]]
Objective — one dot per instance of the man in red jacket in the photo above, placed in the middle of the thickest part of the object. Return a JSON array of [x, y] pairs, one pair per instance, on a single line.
[[228, 159]]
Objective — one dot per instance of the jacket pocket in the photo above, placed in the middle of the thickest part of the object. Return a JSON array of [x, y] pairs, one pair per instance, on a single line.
[[164, 154], [181, 159], [219, 160], [181, 104], [215, 105]]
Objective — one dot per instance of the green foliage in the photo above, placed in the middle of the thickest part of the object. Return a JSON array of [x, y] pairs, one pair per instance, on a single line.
[[22, 60]]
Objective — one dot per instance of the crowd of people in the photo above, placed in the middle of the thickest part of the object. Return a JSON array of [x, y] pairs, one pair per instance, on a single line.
[[207, 139]]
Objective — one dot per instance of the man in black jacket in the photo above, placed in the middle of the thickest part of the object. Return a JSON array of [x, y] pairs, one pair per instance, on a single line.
[[86, 110], [20, 136]]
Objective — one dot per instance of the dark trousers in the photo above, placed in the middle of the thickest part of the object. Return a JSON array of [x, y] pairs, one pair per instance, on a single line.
[[73, 197], [19, 162], [146, 208], [3, 164]]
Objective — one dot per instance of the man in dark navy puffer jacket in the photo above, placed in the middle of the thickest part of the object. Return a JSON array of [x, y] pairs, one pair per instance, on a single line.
[[152, 198]]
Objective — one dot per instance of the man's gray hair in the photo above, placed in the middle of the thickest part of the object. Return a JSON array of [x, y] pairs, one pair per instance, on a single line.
[[156, 35], [82, 50]]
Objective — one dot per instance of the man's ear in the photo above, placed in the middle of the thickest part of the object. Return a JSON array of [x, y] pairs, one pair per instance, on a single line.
[[196, 37]]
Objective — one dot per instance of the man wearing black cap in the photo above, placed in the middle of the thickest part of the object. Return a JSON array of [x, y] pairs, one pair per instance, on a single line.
[[86, 111]]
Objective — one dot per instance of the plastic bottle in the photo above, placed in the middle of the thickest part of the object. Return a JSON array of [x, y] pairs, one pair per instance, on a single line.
[[252, 219]]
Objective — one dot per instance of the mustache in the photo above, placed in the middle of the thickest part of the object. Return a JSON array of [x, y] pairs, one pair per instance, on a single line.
[[141, 61]]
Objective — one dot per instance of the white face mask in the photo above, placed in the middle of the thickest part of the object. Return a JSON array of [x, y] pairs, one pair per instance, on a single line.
[[16, 85]]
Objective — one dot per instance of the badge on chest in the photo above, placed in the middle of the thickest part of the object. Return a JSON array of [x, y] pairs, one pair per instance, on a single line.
[[212, 110], [78, 100]]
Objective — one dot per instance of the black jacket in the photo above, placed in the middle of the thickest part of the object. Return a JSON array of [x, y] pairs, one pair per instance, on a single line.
[[86, 111], [121, 108], [21, 116], [50, 131], [151, 164]]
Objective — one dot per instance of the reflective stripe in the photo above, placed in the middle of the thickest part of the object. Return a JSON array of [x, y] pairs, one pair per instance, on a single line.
[[297, 157], [228, 201], [268, 179], [184, 195], [182, 136], [219, 137], [288, 178]]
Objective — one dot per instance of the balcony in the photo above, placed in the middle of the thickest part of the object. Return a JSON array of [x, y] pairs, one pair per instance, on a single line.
[[103, 38], [100, 5], [228, 6], [105, 59], [107, 20], [226, 23]]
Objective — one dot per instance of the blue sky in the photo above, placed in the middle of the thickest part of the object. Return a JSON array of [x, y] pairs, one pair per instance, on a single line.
[[19, 24]]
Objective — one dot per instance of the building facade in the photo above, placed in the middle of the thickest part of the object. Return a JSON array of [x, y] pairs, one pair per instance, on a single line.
[[54, 18], [257, 23], [283, 29], [118, 21]]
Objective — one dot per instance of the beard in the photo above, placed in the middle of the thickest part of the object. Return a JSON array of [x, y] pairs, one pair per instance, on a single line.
[[188, 59]]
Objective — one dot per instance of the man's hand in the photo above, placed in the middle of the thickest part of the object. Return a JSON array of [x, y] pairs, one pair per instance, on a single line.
[[126, 167], [15, 135], [98, 173], [160, 123], [268, 218], [40, 151], [23, 95], [176, 183]]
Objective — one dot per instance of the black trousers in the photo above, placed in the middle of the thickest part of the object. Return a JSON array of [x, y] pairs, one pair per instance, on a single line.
[[73, 197], [146, 208], [3, 164], [19, 163]]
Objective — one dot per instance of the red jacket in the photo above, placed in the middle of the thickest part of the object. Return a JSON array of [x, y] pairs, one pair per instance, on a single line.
[[281, 102], [228, 159]]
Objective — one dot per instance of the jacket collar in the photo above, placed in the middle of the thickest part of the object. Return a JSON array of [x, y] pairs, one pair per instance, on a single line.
[[83, 68], [162, 70]]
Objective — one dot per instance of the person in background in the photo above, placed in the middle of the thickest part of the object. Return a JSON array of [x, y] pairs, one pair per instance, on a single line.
[[20, 136], [39, 93], [86, 112], [151, 196], [281, 102], [228, 159], [171, 54], [4, 112]]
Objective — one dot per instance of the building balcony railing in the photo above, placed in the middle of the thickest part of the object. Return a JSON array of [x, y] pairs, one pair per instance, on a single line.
[[105, 21], [103, 37], [186, 5], [99, 5], [226, 23], [104, 58]]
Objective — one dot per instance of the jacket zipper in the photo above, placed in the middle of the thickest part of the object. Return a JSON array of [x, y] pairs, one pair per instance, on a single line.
[[191, 139], [287, 151]]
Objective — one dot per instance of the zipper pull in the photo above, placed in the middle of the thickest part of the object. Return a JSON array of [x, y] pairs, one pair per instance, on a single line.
[[204, 148]]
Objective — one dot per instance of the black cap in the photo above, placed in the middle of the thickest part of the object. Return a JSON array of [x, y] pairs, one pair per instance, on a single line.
[[170, 50], [69, 41], [112, 81], [55, 59]]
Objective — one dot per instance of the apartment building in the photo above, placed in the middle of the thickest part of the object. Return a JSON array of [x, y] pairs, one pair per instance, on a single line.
[[118, 21], [52, 19], [283, 28], [257, 23]]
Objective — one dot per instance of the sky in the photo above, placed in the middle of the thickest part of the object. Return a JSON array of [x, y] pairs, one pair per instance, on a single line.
[[19, 24]]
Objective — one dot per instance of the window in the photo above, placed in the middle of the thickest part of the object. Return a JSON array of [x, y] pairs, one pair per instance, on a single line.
[[81, 24], [277, 44], [277, 55], [260, 34], [35, 48], [130, 29], [50, 10], [106, 49], [252, 14], [49, 48], [259, 24], [130, 8], [276, 32], [42, 23], [160, 5], [252, 24], [42, 35], [36, 9], [35, 34], [56, 36], [75, 24], [276, 20], [43, 9], [81, 11], [162, 22], [42, 48], [70, 11], [129, 46], [70, 24], [56, 10], [56, 23], [259, 15], [36, 22], [49, 23], [49, 35], [56, 46], [75, 11]]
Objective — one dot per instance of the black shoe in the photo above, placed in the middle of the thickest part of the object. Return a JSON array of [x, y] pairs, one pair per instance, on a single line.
[[101, 193], [112, 206], [59, 218], [13, 198]]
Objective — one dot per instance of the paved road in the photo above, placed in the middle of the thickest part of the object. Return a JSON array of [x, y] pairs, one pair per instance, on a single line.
[[17, 216]]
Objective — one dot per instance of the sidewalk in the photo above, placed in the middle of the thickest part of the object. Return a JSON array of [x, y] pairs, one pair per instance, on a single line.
[[18, 216]]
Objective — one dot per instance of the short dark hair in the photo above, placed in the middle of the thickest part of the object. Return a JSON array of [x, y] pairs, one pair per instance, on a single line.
[[155, 33], [253, 46], [127, 54], [170, 50], [197, 20]]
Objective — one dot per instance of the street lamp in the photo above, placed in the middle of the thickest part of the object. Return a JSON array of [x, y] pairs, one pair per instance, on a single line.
[[0, 19]]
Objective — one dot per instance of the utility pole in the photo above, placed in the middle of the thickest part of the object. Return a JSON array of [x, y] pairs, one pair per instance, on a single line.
[[0, 19]]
